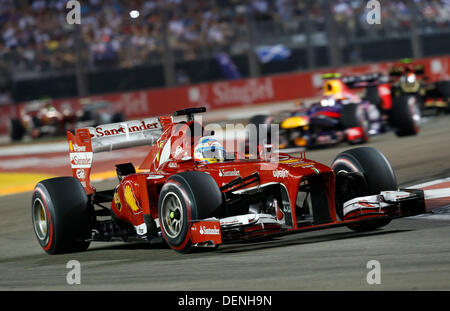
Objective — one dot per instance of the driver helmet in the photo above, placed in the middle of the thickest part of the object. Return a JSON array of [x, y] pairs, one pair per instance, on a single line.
[[409, 78], [209, 150], [333, 88]]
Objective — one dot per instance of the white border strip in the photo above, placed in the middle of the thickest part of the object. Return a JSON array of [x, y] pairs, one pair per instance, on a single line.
[[434, 194], [430, 183], [39, 148], [437, 194]]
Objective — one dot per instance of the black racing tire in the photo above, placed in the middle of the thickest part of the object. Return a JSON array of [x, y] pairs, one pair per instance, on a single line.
[[443, 88], [372, 95], [17, 130], [61, 216], [405, 115], [353, 115], [378, 174], [262, 121], [190, 196]]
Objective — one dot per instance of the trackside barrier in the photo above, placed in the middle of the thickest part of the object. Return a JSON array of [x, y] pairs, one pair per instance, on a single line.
[[219, 95]]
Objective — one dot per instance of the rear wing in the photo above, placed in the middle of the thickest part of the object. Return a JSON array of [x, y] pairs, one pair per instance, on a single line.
[[397, 71], [108, 137], [365, 80]]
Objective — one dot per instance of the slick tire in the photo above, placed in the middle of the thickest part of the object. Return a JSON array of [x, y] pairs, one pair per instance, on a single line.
[[186, 197], [405, 115], [353, 115], [378, 174], [17, 130], [60, 215], [444, 89]]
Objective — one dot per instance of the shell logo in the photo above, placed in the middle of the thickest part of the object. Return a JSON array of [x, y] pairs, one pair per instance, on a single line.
[[130, 199]]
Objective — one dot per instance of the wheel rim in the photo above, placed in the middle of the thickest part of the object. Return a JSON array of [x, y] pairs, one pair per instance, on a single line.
[[172, 215], [40, 220]]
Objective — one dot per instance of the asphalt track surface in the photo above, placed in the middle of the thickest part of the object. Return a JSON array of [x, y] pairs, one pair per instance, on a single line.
[[414, 254]]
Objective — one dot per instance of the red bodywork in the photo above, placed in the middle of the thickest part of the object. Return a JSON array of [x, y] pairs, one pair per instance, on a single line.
[[137, 194], [384, 92]]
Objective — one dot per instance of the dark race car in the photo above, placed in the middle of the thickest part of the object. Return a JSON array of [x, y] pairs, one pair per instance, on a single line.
[[342, 115], [194, 193], [409, 78]]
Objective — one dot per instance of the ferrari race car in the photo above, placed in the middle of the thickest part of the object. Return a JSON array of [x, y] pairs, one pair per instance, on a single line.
[[37, 119], [194, 193], [341, 115], [40, 118]]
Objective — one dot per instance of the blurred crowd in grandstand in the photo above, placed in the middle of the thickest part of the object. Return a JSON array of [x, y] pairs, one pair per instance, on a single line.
[[36, 37]]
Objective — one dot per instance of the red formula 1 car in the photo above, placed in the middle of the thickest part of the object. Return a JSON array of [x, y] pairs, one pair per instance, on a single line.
[[192, 193]]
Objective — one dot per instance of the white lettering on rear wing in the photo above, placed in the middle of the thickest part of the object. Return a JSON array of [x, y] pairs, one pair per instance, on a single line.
[[128, 134], [107, 137]]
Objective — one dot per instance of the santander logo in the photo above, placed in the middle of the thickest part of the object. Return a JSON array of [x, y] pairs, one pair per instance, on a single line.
[[81, 159], [224, 173], [109, 131], [212, 231]]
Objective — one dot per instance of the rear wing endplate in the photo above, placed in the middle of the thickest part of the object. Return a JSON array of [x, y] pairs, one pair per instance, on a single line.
[[108, 137]]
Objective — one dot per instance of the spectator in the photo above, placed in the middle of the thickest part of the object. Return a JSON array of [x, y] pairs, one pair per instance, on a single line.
[[35, 35]]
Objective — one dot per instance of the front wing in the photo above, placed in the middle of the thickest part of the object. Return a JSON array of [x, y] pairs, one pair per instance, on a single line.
[[386, 205]]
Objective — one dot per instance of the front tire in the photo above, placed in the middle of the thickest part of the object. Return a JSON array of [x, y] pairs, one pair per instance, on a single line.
[[378, 174], [60, 215], [186, 197]]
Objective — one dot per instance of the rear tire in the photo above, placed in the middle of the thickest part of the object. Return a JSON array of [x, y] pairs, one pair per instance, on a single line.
[[353, 115], [60, 215], [443, 88], [17, 130], [378, 174], [186, 197], [405, 115]]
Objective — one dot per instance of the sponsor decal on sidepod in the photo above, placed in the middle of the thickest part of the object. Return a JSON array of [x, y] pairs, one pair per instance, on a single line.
[[280, 173], [234, 173]]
